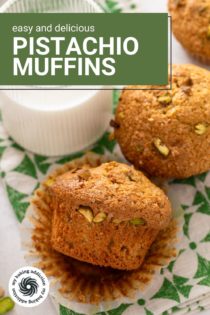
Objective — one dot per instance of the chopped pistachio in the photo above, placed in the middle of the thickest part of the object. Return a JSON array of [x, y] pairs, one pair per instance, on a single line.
[[111, 136], [116, 221], [137, 221], [139, 148], [84, 174], [100, 217], [208, 32], [6, 305], [49, 182], [165, 99], [200, 128], [162, 148], [172, 111], [131, 176], [86, 212], [121, 115]]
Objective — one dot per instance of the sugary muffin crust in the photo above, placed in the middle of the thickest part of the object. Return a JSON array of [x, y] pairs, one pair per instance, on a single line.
[[191, 26], [108, 215], [167, 133]]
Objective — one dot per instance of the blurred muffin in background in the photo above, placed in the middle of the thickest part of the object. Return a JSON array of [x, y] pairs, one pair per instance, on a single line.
[[191, 26]]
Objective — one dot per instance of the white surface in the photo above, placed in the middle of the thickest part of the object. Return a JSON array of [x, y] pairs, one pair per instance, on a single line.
[[10, 253]]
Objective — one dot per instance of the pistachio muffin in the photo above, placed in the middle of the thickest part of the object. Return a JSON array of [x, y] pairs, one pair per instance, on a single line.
[[191, 26], [108, 215], [167, 133]]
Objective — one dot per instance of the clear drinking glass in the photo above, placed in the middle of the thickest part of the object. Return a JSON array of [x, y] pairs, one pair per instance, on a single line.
[[41, 6], [63, 120]]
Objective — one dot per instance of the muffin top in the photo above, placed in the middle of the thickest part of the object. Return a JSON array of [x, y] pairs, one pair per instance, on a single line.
[[191, 24], [167, 133], [117, 190], [190, 88]]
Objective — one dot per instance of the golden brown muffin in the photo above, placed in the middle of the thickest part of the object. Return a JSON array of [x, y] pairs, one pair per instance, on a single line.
[[191, 26], [167, 133], [108, 215]]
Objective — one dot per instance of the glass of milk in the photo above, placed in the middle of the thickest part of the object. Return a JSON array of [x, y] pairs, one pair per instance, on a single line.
[[55, 122]]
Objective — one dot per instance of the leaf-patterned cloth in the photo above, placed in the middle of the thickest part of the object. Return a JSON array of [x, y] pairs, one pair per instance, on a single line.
[[183, 287]]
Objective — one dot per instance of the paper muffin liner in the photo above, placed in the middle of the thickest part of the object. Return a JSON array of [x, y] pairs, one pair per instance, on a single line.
[[80, 286]]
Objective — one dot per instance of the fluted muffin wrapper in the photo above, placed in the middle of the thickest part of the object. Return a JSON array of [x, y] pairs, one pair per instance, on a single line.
[[82, 287]]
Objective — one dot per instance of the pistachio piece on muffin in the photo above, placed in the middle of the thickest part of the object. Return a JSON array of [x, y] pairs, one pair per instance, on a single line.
[[168, 139], [109, 218], [191, 26]]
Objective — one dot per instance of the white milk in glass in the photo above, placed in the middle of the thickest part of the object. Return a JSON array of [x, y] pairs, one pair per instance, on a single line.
[[50, 100]]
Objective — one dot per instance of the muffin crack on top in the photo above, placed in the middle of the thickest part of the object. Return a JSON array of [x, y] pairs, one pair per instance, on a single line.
[[167, 133]]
